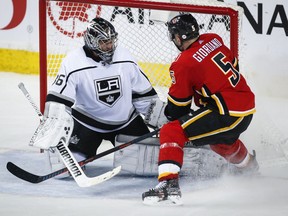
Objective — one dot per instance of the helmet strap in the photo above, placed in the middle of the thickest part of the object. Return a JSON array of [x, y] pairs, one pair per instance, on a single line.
[[178, 42]]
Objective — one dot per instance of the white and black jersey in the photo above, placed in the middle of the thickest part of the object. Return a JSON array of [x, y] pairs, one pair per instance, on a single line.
[[103, 97]]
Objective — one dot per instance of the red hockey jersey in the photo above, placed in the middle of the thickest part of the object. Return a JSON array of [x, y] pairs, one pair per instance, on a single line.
[[208, 72]]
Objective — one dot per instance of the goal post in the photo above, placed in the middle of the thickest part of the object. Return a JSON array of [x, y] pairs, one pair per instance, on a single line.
[[62, 23]]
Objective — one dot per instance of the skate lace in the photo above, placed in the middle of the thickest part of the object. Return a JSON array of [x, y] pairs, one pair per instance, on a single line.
[[161, 185]]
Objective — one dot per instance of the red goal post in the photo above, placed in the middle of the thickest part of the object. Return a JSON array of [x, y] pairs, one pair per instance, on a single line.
[[62, 23]]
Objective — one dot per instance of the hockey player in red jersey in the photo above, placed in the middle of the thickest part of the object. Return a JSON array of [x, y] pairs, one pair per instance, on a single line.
[[207, 72]]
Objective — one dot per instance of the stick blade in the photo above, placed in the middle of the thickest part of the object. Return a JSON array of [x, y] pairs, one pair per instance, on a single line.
[[22, 174], [88, 182]]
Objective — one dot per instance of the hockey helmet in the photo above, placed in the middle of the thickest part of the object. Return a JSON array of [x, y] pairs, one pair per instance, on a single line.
[[185, 25], [101, 37]]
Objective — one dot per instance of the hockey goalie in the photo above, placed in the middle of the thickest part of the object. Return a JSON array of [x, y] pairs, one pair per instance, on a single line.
[[99, 92]]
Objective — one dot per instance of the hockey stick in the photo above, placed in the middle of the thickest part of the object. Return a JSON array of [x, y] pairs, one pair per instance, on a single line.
[[67, 157], [71, 164], [27, 95], [22, 87], [32, 178]]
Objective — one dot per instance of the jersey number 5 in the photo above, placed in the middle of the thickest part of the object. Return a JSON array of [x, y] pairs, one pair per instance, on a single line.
[[227, 67]]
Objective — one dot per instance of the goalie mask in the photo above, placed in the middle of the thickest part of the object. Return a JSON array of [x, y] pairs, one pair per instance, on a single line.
[[184, 25], [101, 38]]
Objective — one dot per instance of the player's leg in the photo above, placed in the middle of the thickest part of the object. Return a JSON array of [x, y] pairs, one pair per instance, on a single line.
[[202, 127], [223, 136], [136, 127], [172, 141], [241, 162], [83, 143]]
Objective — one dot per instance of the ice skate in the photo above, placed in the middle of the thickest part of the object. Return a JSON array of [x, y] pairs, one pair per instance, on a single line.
[[166, 192]]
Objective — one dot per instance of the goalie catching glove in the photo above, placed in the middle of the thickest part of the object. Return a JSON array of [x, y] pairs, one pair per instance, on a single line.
[[155, 116], [56, 124]]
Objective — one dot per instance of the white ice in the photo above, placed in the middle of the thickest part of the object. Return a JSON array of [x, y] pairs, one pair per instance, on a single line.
[[121, 195]]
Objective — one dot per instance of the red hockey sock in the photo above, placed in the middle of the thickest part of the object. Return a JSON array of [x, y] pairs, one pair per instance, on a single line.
[[234, 153], [172, 140]]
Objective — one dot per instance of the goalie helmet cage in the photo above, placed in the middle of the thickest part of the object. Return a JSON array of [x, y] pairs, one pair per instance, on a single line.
[[62, 23]]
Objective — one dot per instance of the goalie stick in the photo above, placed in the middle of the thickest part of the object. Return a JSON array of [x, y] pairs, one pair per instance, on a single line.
[[22, 87], [67, 157], [71, 164], [33, 178], [28, 96]]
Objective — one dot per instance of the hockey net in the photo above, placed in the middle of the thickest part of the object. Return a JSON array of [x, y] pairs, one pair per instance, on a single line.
[[141, 27]]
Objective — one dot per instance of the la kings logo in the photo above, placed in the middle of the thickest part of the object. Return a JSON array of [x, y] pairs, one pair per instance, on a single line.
[[108, 90]]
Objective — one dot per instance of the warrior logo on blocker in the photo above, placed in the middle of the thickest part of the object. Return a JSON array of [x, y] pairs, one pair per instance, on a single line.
[[108, 90]]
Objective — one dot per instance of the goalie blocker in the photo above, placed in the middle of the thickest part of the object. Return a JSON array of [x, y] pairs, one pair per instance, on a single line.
[[142, 159]]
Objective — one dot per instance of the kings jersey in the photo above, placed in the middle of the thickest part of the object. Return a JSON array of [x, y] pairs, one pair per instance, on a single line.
[[208, 72], [103, 97]]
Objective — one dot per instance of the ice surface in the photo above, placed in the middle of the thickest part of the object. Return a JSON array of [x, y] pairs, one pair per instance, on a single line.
[[121, 195]]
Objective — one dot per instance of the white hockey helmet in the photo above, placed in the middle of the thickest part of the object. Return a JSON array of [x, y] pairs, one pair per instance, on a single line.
[[101, 37]]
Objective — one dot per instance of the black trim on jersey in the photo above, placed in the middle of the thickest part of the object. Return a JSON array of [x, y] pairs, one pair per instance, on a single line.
[[172, 111], [92, 122], [207, 90], [181, 100], [170, 162], [53, 98], [211, 103], [223, 104], [75, 71], [126, 61], [152, 92]]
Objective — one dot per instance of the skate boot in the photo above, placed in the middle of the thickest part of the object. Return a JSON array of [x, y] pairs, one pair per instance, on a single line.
[[251, 169], [166, 192]]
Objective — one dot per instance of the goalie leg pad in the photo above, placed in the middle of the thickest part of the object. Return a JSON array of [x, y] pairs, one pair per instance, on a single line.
[[142, 159], [57, 123]]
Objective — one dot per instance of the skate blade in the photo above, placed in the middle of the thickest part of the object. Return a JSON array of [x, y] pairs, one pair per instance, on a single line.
[[156, 201]]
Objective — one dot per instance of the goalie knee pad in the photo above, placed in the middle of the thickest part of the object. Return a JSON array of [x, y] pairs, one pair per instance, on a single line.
[[57, 124]]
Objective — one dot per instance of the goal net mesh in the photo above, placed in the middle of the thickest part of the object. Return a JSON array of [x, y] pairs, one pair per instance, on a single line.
[[142, 30]]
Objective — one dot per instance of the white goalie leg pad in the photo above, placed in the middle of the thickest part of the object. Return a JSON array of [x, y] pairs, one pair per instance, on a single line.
[[55, 163], [155, 116], [202, 162], [142, 159], [57, 123]]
